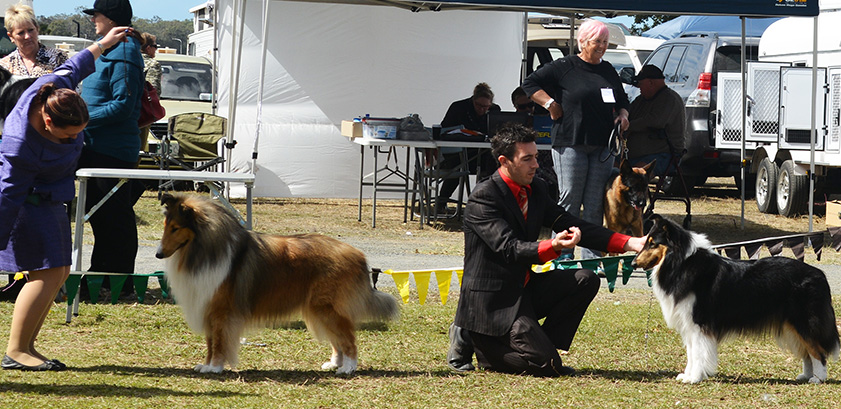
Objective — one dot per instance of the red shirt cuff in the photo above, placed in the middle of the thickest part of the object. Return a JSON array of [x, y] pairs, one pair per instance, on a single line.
[[545, 252], [617, 243]]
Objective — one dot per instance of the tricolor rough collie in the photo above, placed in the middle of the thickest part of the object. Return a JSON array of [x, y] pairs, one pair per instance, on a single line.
[[706, 298], [226, 278]]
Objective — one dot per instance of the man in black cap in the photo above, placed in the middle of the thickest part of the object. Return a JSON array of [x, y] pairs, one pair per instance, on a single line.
[[656, 117], [117, 10]]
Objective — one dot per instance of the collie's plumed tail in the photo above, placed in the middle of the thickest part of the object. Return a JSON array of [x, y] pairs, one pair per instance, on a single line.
[[382, 307]]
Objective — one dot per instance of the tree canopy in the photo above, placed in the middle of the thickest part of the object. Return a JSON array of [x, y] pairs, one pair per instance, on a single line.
[[644, 22], [79, 25]]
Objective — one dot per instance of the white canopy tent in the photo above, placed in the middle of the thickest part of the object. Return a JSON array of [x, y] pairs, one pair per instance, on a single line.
[[326, 63]]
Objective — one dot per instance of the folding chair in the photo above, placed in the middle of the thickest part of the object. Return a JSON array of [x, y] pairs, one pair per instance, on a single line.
[[191, 143], [428, 183], [673, 175]]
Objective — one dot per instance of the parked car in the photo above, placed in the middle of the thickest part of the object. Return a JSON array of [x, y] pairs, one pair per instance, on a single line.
[[70, 44], [186, 86], [691, 64], [548, 39]]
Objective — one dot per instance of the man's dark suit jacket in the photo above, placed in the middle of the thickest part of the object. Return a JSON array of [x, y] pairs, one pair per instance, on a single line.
[[500, 246]]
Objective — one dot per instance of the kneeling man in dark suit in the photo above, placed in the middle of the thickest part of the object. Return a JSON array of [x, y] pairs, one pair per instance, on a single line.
[[501, 299]]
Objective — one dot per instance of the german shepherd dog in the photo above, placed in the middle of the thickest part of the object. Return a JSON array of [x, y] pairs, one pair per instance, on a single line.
[[707, 298], [226, 278], [625, 198]]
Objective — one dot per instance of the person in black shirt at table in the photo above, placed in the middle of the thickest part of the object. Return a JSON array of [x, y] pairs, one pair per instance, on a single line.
[[472, 114]]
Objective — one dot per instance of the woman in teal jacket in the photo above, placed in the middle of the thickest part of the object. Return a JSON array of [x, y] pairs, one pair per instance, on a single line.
[[112, 139]]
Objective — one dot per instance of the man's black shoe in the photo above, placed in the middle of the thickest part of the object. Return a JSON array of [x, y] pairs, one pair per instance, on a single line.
[[567, 371], [460, 353]]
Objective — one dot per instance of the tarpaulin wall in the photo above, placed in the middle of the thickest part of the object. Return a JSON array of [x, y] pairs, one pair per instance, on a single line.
[[329, 62]]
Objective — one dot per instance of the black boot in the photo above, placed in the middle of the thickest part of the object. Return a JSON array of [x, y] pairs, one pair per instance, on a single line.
[[460, 353]]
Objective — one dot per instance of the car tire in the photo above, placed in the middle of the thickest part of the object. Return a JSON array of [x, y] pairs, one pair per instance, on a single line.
[[792, 190], [766, 186]]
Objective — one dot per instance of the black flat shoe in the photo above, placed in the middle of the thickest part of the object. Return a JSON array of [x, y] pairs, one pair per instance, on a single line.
[[9, 363], [59, 365]]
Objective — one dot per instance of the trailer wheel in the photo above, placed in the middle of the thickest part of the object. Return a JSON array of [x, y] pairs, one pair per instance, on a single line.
[[766, 183], [792, 190]]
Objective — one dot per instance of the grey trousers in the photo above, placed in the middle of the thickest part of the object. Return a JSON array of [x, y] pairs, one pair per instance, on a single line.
[[582, 177]]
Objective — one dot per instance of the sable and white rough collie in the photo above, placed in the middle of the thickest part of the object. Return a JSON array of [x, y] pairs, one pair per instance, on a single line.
[[226, 278], [706, 298]]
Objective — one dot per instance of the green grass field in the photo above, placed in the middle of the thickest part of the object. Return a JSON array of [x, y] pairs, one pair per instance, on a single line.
[[141, 355]]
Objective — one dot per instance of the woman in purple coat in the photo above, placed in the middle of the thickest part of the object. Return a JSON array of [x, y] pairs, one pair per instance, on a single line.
[[38, 155]]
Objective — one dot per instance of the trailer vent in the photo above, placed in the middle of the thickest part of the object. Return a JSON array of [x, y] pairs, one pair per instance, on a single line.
[[798, 135], [732, 135]]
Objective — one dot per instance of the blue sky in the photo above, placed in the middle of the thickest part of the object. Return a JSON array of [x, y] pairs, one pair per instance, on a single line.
[[165, 9]]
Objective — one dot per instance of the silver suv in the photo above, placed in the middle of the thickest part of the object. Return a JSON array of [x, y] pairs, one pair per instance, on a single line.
[[691, 64]]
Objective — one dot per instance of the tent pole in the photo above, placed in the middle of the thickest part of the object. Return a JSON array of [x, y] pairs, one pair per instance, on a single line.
[[214, 90], [236, 59], [813, 122], [525, 61], [744, 120], [260, 84], [571, 48], [232, 80]]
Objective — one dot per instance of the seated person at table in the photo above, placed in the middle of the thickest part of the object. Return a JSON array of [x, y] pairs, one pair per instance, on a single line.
[[546, 171], [472, 114], [502, 302], [656, 117]]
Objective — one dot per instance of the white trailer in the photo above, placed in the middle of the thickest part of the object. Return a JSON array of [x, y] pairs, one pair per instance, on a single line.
[[779, 113]]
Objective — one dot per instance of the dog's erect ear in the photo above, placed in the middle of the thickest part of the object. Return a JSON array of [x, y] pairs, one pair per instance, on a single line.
[[167, 199], [195, 215], [649, 168], [651, 221], [625, 167]]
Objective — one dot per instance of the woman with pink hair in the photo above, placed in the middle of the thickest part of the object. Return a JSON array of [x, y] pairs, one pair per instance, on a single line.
[[585, 98]]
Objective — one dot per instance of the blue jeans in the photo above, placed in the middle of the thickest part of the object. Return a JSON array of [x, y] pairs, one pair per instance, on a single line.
[[582, 177]]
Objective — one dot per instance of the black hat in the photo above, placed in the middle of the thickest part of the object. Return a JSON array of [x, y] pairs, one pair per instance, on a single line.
[[649, 71], [117, 10]]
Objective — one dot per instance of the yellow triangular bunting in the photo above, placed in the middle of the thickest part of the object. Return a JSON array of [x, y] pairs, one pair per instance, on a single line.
[[444, 278], [422, 282], [401, 280]]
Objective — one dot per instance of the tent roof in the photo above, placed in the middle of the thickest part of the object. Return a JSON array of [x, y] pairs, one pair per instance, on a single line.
[[610, 8], [723, 25]]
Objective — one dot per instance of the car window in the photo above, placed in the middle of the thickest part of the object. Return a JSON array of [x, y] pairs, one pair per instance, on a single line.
[[185, 81], [659, 57], [673, 62], [619, 59], [540, 56], [643, 54], [729, 58], [692, 65]]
